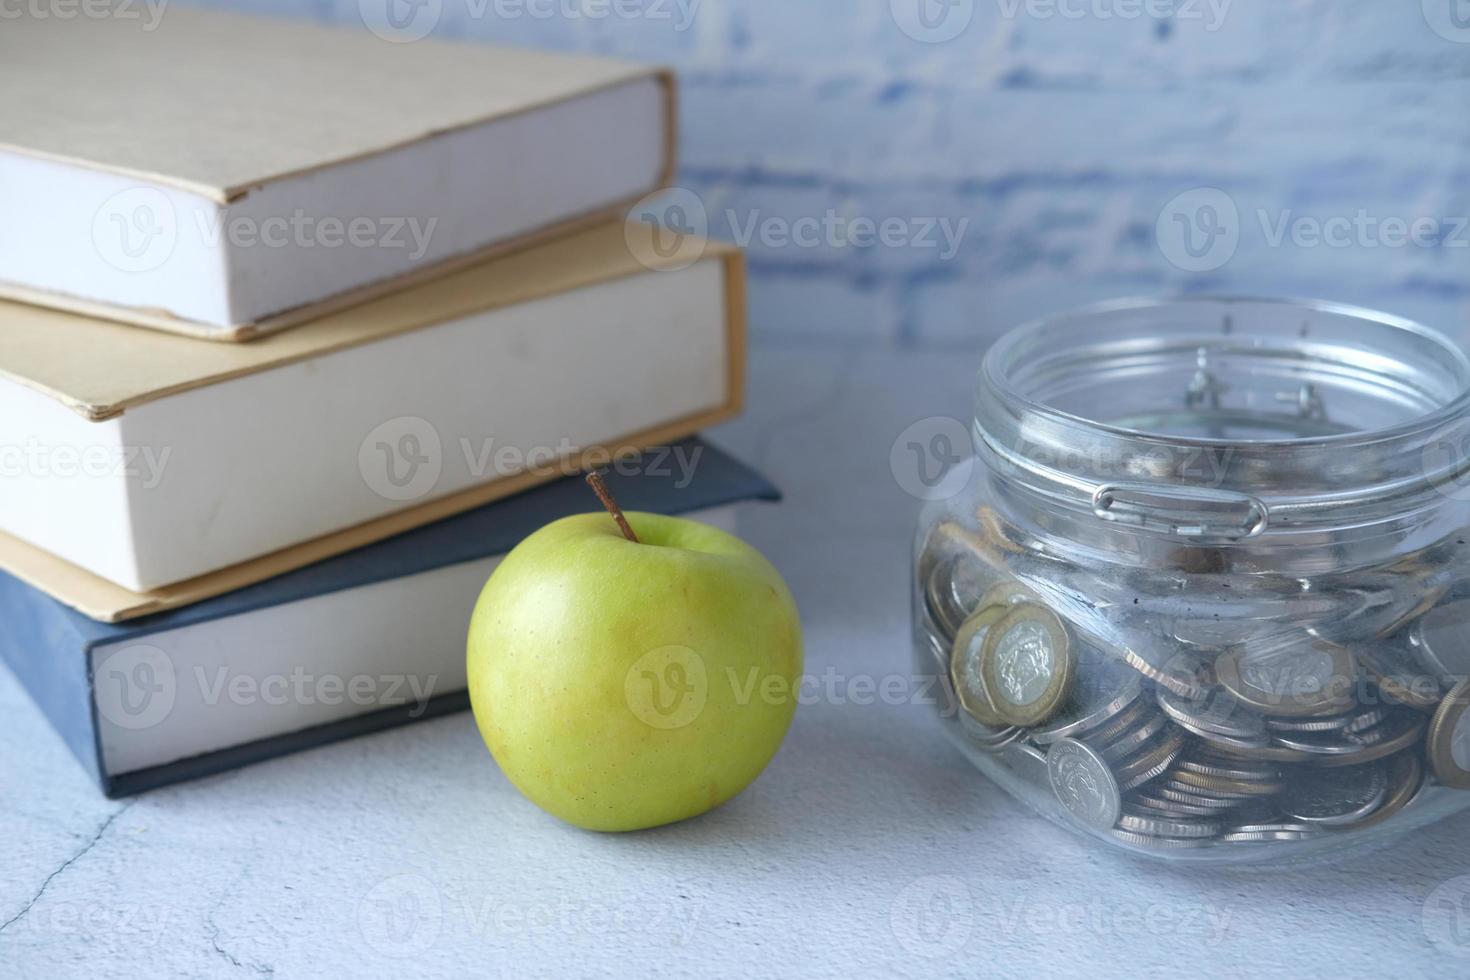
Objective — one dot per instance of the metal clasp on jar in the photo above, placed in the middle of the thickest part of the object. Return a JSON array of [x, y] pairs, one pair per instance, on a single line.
[[1190, 512]]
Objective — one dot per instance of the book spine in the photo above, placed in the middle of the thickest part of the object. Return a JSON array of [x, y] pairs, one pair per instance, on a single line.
[[49, 657]]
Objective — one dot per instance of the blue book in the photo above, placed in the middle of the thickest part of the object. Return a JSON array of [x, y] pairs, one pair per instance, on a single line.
[[360, 642]]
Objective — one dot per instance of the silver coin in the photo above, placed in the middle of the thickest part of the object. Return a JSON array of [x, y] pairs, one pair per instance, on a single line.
[[1153, 761], [1335, 796], [1131, 741], [988, 738], [1401, 730], [1349, 722], [1137, 713], [1199, 788], [1098, 695], [1265, 836], [1185, 795], [1275, 826], [1160, 843], [1027, 760], [1186, 674], [1400, 680], [1208, 765], [968, 581], [1141, 822], [1441, 641], [1218, 714], [939, 598], [1263, 753], [1318, 743], [1365, 720], [1084, 783], [1172, 808]]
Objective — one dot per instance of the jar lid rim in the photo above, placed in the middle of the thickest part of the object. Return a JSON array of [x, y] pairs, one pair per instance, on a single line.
[[1349, 471], [1008, 342]]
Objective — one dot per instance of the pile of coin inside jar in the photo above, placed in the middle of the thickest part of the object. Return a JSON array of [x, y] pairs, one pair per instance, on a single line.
[[1219, 743]]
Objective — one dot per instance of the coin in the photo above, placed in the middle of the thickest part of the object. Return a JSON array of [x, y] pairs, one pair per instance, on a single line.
[[1399, 681], [1217, 714], [1405, 779], [988, 738], [1186, 674], [993, 530], [1449, 738], [939, 598], [1153, 761], [1121, 747], [1401, 730], [965, 666], [1438, 641], [1289, 680], [1207, 765], [1027, 664], [1221, 786], [1276, 826], [1352, 721], [1263, 753], [1098, 695], [1159, 843], [1007, 593], [1131, 717], [1365, 720], [1027, 760], [1267, 836], [1334, 797], [967, 586], [1184, 794], [1170, 807], [1142, 822], [1084, 783]]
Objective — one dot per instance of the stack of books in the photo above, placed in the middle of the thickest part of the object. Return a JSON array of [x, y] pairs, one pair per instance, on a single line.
[[300, 330]]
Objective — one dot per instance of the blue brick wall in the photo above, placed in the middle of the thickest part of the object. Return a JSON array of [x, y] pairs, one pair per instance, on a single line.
[[1074, 137]]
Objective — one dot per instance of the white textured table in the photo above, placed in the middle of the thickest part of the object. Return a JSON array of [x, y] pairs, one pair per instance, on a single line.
[[868, 848]]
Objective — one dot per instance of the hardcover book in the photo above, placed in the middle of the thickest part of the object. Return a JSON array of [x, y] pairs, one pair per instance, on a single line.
[[145, 471], [360, 642], [226, 176]]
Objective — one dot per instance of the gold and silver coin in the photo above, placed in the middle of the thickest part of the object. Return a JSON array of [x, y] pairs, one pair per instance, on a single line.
[[966, 666], [1232, 739], [1449, 738], [1289, 679], [1026, 664], [1008, 593]]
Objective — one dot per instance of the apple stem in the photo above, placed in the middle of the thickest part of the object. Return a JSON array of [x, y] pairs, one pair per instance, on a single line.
[[594, 480]]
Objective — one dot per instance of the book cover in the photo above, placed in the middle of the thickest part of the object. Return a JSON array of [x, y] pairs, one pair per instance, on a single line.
[[219, 465], [225, 176]]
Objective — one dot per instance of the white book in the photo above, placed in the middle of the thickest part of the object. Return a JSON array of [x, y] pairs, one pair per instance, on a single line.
[[226, 176], [143, 471]]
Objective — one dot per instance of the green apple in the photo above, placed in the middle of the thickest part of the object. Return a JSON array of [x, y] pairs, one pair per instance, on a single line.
[[626, 684]]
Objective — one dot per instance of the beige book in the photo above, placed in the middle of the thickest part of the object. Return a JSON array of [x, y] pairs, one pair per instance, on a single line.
[[141, 471], [225, 176]]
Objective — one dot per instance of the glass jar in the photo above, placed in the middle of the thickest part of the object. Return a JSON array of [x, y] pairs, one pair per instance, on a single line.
[[1206, 593]]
